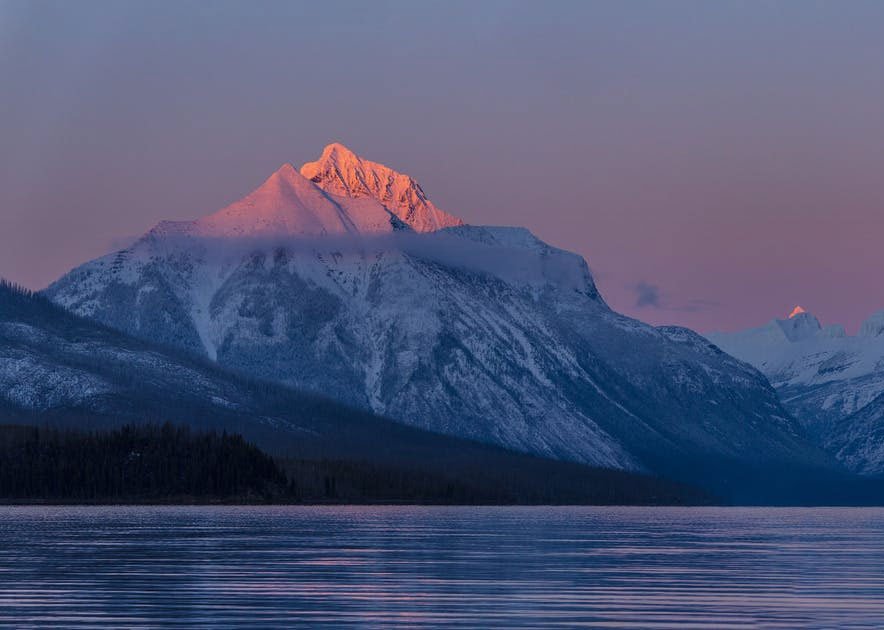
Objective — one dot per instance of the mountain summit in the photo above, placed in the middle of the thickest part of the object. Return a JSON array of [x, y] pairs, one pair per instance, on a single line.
[[341, 172], [799, 325], [287, 203], [340, 194], [796, 311]]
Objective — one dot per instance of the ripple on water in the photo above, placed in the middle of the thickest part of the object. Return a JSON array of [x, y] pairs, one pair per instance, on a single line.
[[455, 566]]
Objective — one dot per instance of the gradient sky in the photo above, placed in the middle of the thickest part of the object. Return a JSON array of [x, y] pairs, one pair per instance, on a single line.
[[715, 162]]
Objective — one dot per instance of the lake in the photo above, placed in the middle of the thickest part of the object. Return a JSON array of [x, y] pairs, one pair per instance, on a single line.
[[458, 566]]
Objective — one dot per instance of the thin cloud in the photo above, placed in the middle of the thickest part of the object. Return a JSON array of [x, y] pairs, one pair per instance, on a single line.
[[647, 295]]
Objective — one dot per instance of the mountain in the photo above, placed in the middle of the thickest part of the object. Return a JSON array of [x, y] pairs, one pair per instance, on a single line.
[[825, 377], [336, 280], [62, 371]]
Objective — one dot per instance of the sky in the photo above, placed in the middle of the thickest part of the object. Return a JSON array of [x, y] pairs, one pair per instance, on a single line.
[[716, 163]]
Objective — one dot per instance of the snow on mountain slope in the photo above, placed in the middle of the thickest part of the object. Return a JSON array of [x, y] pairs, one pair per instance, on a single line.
[[823, 376], [859, 440], [873, 327], [341, 172], [289, 204], [51, 359], [480, 332]]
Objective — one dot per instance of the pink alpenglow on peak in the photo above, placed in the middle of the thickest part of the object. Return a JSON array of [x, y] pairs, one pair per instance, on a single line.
[[341, 172], [796, 311], [289, 204], [339, 195]]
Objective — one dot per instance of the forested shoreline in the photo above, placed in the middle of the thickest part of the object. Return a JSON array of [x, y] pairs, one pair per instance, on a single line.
[[143, 463], [170, 464]]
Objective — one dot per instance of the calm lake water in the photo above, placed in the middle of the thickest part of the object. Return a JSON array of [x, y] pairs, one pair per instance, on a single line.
[[462, 566]]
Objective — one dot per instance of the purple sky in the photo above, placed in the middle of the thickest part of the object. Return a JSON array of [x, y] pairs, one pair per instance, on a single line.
[[715, 162]]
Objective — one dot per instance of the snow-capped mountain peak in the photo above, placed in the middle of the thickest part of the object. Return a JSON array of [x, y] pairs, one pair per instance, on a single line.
[[799, 326], [341, 194], [289, 204], [825, 377], [873, 326], [340, 171], [798, 310]]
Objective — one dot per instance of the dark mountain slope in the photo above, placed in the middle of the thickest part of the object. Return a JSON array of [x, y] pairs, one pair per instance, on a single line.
[[59, 370]]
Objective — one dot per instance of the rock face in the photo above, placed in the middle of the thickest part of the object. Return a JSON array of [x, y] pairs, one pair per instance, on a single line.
[[344, 279], [825, 377], [341, 172]]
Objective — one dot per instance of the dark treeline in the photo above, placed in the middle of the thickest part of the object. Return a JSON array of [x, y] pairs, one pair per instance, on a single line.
[[534, 483], [133, 464], [171, 464]]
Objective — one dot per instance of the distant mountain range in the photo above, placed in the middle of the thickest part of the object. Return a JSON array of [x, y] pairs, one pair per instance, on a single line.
[[832, 382], [344, 279]]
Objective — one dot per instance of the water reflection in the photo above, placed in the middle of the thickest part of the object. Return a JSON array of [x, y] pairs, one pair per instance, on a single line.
[[409, 566]]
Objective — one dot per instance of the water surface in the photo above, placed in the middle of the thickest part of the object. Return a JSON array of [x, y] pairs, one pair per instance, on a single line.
[[460, 566]]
